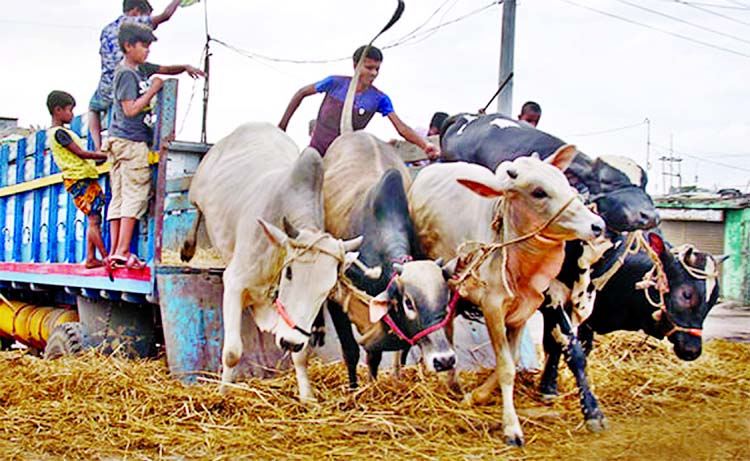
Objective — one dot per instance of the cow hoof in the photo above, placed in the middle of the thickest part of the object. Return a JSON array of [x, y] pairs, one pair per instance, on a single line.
[[455, 387], [514, 440], [308, 400], [548, 398], [224, 390], [187, 252], [467, 401], [597, 425]]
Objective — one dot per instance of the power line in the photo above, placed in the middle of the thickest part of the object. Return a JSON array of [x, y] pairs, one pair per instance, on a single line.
[[610, 130], [692, 5], [744, 5], [716, 5], [408, 39], [659, 13], [664, 31], [431, 31], [707, 160]]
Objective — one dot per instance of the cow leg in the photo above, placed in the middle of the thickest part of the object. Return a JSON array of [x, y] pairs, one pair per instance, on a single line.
[[373, 362], [504, 374], [576, 360], [232, 311], [303, 380], [349, 346], [586, 336], [552, 351], [188, 246], [450, 379]]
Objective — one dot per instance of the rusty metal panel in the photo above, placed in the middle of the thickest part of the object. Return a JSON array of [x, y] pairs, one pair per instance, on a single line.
[[190, 301]]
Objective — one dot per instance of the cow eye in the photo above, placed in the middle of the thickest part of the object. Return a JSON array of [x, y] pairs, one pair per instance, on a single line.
[[539, 193], [687, 294], [408, 303], [288, 273]]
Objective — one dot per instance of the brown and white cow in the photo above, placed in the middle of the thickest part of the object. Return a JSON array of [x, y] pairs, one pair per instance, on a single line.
[[529, 205], [249, 186]]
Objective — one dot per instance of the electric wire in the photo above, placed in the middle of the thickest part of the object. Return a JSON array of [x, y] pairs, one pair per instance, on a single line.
[[610, 130], [729, 18], [410, 39], [703, 159], [659, 13], [664, 31]]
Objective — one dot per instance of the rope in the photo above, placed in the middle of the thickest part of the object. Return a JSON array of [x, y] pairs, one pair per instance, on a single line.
[[487, 249]]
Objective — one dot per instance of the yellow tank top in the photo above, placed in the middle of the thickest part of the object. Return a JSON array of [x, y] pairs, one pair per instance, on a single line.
[[71, 165]]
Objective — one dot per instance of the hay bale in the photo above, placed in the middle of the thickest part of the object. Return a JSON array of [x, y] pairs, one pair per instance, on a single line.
[[105, 407]]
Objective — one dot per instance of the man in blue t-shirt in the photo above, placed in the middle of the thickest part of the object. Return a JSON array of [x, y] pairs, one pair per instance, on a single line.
[[367, 101]]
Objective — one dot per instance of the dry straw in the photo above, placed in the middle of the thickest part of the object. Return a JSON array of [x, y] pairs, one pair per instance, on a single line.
[[97, 407]]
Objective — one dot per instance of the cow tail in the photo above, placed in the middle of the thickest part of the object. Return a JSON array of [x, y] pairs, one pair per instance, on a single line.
[[346, 114], [188, 247]]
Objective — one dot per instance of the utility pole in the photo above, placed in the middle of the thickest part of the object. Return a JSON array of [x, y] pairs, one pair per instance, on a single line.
[[505, 100], [672, 161]]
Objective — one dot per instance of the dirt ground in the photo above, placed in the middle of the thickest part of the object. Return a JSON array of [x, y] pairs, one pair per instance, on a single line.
[[728, 321]]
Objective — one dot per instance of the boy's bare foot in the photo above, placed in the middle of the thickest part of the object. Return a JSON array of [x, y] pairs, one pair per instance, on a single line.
[[93, 263]]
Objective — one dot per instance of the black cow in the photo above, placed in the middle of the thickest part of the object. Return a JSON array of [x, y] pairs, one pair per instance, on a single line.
[[413, 293], [620, 305], [616, 185]]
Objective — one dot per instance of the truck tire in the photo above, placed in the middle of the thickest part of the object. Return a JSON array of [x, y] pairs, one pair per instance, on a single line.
[[66, 339], [5, 343]]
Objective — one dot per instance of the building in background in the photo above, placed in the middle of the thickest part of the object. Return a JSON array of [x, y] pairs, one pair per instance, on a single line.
[[718, 223]]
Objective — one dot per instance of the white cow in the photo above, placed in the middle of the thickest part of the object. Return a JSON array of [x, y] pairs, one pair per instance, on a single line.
[[249, 183], [531, 210]]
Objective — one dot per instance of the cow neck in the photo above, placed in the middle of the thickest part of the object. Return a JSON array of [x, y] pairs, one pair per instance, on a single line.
[[534, 262]]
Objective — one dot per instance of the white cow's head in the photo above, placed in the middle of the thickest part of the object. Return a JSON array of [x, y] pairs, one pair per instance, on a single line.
[[542, 197], [312, 261]]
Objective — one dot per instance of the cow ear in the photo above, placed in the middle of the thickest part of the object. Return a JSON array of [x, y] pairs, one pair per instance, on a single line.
[[656, 243], [379, 306], [480, 188], [274, 234], [563, 157]]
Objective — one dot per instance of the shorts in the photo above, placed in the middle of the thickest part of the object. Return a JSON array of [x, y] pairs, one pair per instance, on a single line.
[[101, 101], [129, 178], [87, 195]]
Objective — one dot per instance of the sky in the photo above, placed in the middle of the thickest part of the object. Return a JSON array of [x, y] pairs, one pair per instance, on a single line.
[[599, 68]]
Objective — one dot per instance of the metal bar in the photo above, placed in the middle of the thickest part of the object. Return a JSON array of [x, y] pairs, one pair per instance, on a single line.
[[41, 137], [18, 211], [4, 154], [167, 108]]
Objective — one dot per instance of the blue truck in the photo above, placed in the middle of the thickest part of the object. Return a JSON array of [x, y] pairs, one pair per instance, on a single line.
[[52, 304]]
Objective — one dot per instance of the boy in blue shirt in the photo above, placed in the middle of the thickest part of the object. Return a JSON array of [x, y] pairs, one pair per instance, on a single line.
[[130, 136], [367, 101], [133, 11]]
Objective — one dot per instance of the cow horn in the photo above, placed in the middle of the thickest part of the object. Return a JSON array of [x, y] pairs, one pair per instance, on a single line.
[[721, 258], [439, 262], [373, 273], [289, 229], [353, 244], [449, 269]]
